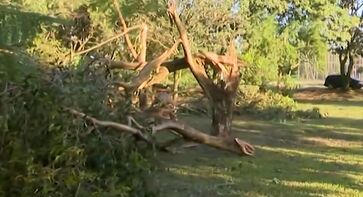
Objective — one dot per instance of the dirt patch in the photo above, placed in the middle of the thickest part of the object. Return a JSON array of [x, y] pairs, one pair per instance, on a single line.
[[325, 94]]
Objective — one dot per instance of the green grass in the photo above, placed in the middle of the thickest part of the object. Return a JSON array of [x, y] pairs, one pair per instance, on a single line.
[[296, 158]]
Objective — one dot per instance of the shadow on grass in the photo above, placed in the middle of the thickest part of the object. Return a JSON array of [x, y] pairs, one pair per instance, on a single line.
[[294, 131], [272, 173], [287, 162]]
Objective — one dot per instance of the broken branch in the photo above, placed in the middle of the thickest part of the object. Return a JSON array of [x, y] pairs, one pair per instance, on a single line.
[[124, 26], [146, 74], [234, 145], [110, 124], [197, 70]]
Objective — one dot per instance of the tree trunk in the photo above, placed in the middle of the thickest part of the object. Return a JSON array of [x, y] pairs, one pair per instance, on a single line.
[[350, 65], [222, 115], [176, 80], [346, 76], [342, 61]]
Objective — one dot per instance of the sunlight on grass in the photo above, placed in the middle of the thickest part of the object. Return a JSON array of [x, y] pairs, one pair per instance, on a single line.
[[324, 156], [333, 189], [319, 157], [337, 109], [290, 152], [333, 142], [200, 171], [358, 177]]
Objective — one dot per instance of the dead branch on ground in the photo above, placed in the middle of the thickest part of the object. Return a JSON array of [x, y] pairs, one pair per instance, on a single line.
[[234, 145]]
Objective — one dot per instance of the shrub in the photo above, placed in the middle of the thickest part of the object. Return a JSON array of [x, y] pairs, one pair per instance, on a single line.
[[268, 104], [46, 152]]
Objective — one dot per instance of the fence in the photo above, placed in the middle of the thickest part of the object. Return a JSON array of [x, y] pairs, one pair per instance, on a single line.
[[308, 71]]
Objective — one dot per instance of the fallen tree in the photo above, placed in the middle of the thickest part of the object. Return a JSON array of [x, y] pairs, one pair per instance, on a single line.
[[220, 87]]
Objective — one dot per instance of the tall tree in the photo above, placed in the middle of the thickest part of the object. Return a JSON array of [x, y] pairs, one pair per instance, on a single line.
[[350, 47]]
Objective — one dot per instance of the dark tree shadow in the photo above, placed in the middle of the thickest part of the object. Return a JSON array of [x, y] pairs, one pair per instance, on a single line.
[[270, 173]]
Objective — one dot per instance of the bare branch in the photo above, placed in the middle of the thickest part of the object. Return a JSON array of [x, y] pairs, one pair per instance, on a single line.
[[215, 61], [110, 124], [124, 26], [146, 75], [107, 41], [143, 36], [121, 64], [197, 70], [230, 144]]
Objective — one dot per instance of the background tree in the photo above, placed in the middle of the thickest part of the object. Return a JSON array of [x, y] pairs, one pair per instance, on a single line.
[[348, 43]]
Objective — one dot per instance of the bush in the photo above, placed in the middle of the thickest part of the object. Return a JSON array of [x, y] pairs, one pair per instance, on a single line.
[[46, 152], [268, 104]]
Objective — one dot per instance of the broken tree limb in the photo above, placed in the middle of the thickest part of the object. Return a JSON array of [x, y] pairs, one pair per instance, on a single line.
[[197, 69], [110, 124], [215, 61], [165, 69], [146, 74], [234, 145], [117, 126], [124, 26], [122, 64]]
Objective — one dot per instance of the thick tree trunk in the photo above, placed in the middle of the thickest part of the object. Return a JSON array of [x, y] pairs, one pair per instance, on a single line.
[[342, 61], [346, 75], [222, 115], [350, 65]]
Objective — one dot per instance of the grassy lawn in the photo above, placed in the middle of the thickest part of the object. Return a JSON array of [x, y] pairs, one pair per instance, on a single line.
[[322, 157]]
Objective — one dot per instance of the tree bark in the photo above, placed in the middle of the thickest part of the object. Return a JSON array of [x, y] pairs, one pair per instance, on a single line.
[[345, 73], [342, 62], [349, 71], [231, 144], [222, 115], [350, 65], [176, 80]]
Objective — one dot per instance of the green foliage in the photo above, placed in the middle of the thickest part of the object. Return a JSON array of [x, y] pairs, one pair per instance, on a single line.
[[48, 152], [270, 105], [18, 27], [263, 53], [314, 47], [298, 32], [47, 48]]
